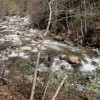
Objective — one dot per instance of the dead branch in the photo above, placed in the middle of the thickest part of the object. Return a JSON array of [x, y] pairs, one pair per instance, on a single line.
[[61, 84]]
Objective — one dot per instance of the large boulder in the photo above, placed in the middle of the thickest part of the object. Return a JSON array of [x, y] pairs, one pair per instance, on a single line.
[[72, 59]]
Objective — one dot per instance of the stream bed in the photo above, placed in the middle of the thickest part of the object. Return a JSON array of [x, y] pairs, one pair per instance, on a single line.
[[16, 40]]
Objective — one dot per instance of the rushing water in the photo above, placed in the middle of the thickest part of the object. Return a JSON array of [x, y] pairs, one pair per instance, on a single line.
[[14, 30]]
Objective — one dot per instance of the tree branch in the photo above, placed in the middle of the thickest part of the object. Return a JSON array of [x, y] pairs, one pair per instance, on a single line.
[[61, 84]]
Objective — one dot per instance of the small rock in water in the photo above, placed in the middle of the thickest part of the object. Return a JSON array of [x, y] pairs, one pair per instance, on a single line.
[[41, 47], [76, 65], [58, 38], [19, 33], [94, 63], [96, 51], [34, 42], [50, 58], [73, 59], [62, 57], [62, 66], [58, 62]]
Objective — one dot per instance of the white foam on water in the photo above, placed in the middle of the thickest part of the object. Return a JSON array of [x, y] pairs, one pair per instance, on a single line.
[[26, 19], [35, 50], [14, 38], [21, 54], [54, 43], [26, 48], [88, 66], [59, 46], [56, 65]]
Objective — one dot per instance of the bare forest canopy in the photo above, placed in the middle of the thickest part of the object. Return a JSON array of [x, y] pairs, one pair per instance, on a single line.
[[73, 17], [49, 49]]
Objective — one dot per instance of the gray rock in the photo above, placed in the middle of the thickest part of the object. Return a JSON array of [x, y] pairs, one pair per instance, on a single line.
[[94, 63], [73, 59], [4, 44], [62, 57]]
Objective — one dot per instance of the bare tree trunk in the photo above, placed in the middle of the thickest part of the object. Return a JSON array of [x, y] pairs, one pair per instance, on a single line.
[[35, 77], [85, 24], [50, 16], [81, 18], [38, 56], [61, 84], [3, 70], [67, 23]]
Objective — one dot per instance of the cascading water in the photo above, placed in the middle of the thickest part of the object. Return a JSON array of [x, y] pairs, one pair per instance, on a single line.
[[17, 24]]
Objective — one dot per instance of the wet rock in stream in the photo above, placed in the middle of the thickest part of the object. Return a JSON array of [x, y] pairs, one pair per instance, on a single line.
[[71, 59], [5, 44]]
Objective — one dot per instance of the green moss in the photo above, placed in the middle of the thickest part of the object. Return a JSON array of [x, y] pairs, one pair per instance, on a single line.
[[97, 4]]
